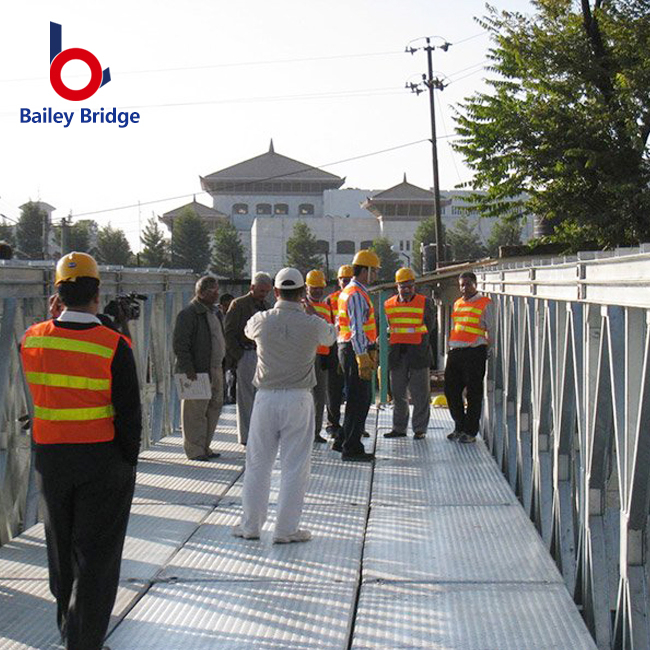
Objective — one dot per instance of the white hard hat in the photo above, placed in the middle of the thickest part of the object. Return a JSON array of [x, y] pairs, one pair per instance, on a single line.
[[289, 278]]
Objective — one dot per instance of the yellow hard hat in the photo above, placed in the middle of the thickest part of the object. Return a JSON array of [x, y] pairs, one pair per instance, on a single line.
[[440, 401], [76, 265], [315, 278], [345, 271], [404, 275], [367, 258]]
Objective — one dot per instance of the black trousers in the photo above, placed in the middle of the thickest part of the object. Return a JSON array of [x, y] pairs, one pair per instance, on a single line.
[[465, 370], [87, 492], [335, 384], [357, 404]]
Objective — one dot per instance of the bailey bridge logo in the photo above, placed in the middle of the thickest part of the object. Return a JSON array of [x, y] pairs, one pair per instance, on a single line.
[[59, 57], [98, 78]]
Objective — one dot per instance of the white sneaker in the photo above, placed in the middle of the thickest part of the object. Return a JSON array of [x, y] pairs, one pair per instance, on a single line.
[[238, 531], [301, 535]]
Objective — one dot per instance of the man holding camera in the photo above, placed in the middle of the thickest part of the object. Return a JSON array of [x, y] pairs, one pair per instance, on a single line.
[[200, 346]]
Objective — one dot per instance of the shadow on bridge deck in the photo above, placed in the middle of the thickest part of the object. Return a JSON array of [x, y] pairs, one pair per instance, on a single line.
[[427, 549]]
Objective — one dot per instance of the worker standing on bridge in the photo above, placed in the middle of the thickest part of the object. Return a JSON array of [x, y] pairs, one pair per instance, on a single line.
[[472, 332], [335, 382], [316, 284], [86, 430], [283, 413], [410, 319], [357, 354]]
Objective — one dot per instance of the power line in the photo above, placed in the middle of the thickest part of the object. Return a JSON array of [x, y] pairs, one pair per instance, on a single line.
[[241, 185], [469, 38]]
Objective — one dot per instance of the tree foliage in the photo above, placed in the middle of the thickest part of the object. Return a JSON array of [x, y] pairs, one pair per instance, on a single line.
[[464, 241], [7, 233], [29, 232], [302, 249], [228, 257], [190, 242], [566, 119], [505, 232], [426, 234], [113, 247], [155, 246], [390, 261]]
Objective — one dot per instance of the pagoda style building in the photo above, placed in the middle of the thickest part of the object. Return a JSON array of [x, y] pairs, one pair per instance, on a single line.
[[211, 217]]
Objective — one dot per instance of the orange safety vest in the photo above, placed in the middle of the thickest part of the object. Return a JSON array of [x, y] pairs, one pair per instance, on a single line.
[[333, 301], [323, 310], [69, 377], [369, 327], [406, 319], [466, 319]]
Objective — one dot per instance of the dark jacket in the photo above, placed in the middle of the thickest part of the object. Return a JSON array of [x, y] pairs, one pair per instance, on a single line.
[[417, 356], [193, 339], [240, 310]]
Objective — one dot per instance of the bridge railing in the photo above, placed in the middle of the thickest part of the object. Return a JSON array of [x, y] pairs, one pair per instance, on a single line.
[[24, 292]]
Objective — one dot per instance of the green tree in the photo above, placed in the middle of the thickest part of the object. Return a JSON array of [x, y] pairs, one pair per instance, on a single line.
[[7, 233], [302, 249], [566, 120], [390, 261], [190, 242], [80, 235], [29, 232], [228, 257], [155, 246], [505, 232], [464, 241], [425, 234], [113, 247]]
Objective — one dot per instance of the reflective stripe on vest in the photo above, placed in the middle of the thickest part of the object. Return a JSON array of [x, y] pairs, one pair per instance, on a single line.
[[323, 310], [466, 319], [406, 320], [75, 406], [369, 327], [333, 301]]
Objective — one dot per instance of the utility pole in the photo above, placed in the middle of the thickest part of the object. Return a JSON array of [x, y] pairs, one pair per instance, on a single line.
[[433, 84], [65, 235], [46, 235]]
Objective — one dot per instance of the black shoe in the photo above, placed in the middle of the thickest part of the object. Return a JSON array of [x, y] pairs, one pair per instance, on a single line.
[[419, 435], [213, 454], [332, 430], [337, 446], [361, 457], [318, 438], [365, 434], [394, 434], [202, 458], [466, 438], [454, 435]]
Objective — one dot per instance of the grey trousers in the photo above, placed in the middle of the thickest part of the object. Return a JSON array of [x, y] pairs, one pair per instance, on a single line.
[[245, 393], [405, 381], [199, 419], [320, 393]]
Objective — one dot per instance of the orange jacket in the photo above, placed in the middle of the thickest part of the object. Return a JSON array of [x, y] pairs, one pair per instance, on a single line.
[[406, 319], [466, 319], [70, 379], [369, 327], [323, 310]]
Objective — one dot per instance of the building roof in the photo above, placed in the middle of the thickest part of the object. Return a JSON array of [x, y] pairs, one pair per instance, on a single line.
[[209, 215], [404, 191], [40, 204], [270, 166]]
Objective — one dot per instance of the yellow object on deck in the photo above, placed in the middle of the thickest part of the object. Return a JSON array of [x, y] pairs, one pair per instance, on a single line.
[[439, 401]]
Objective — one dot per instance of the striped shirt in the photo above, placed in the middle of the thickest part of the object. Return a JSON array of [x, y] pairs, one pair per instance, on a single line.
[[358, 314]]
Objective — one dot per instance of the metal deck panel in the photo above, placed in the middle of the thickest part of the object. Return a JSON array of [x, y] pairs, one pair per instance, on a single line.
[[334, 554], [407, 483], [469, 617], [28, 613], [457, 543], [24, 557], [238, 616]]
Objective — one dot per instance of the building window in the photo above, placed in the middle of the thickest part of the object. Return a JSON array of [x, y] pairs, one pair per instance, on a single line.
[[306, 208], [345, 247], [401, 244], [322, 247], [366, 244], [263, 208], [408, 244], [280, 208], [456, 210], [240, 208]]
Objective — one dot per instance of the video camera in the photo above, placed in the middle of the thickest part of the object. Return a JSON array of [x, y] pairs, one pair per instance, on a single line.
[[125, 306]]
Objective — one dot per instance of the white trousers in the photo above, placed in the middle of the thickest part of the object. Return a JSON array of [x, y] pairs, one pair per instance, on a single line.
[[284, 419]]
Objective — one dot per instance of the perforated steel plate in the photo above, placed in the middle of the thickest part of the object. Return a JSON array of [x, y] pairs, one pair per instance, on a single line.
[[334, 553], [28, 613], [25, 556], [238, 616], [468, 617], [457, 543]]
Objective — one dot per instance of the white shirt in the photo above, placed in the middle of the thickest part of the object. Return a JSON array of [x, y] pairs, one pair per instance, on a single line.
[[287, 339]]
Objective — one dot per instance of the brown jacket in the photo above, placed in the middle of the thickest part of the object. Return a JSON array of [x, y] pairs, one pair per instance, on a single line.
[[240, 310]]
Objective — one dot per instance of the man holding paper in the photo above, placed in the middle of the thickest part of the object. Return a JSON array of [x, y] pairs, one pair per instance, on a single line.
[[199, 346]]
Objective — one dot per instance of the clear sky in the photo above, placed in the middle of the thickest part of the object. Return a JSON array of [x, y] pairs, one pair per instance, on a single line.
[[213, 81]]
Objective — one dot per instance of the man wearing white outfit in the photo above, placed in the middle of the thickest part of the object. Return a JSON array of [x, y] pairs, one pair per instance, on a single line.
[[283, 413]]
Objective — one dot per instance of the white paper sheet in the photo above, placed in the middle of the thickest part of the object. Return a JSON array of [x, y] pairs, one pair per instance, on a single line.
[[198, 389]]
